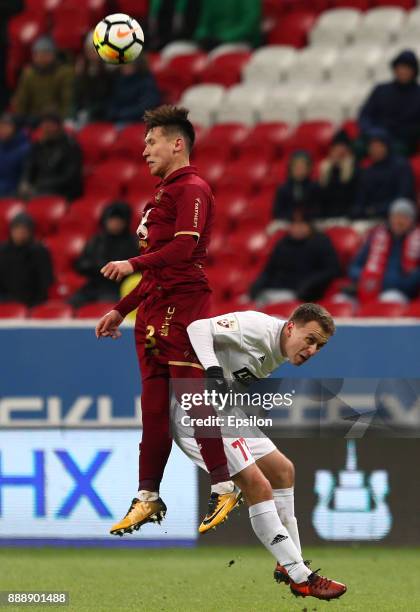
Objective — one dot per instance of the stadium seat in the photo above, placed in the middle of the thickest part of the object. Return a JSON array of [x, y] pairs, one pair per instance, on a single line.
[[52, 310], [413, 309], [280, 309], [245, 171], [141, 185], [9, 208], [380, 26], [231, 135], [178, 48], [25, 28], [64, 249], [352, 128], [361, 5], [94, 140], [94, 311], [325, 103], [241, 103], [339, 309], [46, 211], [313, 64], [313, 136], [292, 29], [13, 310], [276, 134], [191, 64], [225, 69], [335, 27], [112, 174], [129, 143], [382, 309], [411, 27], [83, 214], [212, 171], [66, 283], [203, 102], [231, 47], [270, 64], [136, 8], [284, 103], [346, 242], [404, 4]]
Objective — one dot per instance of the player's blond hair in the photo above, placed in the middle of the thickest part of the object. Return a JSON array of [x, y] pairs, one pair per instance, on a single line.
[[172, 119], [306, 313]]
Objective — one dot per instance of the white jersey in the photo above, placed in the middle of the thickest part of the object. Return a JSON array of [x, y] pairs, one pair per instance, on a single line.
[[247, 346]]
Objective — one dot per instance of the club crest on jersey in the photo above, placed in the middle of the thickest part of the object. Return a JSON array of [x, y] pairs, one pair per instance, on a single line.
[[227, 323], [158, 196]]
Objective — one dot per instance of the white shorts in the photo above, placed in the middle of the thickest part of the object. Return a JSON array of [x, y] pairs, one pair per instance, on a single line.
[[240, 452]]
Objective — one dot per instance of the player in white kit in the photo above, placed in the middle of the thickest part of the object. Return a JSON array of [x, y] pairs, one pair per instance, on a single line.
[[245, 346]]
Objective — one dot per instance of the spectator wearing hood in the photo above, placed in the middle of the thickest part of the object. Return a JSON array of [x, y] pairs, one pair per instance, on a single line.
[[113, 243], [54, 165], [338, 177], [387, 178], [299, 195], [301, 266], [45, 85], [388, 265], [134, 92], [14, 149], [25, 265], [395, 106]]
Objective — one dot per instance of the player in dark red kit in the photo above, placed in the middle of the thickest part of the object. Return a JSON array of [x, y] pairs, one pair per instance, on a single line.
[[174, 234]]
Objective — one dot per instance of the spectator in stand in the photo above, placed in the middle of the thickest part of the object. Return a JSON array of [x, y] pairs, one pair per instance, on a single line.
[[113, 243], [229, 21], [299, 195], [8, 8], [134, 92], [395, 106], [54, 165], [300, 267], [45, 85], [387, 178], [171, 20], [388, 265], [338, 176], [25, 265], [14, 149], [92, 86]]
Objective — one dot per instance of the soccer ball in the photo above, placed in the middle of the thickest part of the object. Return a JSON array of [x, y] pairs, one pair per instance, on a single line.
[[118, 39]]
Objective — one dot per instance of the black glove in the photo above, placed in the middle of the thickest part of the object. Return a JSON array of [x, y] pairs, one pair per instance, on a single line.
[[215, 381]]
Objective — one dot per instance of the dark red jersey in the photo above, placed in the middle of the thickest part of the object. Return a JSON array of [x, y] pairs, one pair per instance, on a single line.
[[183, 205]]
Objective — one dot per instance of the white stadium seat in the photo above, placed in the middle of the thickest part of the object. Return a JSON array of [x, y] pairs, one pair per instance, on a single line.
[[203, 101], [353, 96], [357, 62], [313, 64], [228, 48], [411, 27], [285, 103], [335, 27], [241, 104], [178, 47], [381, 25], [270, 64], [325, 102]]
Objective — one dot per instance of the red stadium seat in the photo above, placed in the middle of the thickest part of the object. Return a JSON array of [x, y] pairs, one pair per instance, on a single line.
[[135, 8], [94, 311], [229, 135], [69, 39], [293, 29], [114, 174], [13, 310], [64, 249], [25, 28], [339, 309], [83, 215], [47, 211], [351, 127], [66, 284], [52, 310], [277, 174], [382, 309], [361, 5], [312, 136], [346, 242], [280, 309], [9, 208], [142, 184], [129, 143], [413, 309], [244, 170], [95, 139], [404, 4], [212, 171], [180, 72], [225, 69]]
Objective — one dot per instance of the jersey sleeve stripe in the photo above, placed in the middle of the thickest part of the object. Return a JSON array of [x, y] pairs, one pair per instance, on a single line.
[[186, 363], [188, 234]]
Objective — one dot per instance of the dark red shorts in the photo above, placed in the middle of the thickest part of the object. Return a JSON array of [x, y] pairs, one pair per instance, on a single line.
[[161, 329]]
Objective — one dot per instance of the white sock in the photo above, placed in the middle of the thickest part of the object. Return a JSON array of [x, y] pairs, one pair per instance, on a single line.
[[285, 505], [272, 534], [223, 487], [143, 495]]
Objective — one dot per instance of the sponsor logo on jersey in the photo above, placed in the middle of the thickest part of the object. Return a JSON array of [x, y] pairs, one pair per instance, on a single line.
[[164, 330], [261, 359], [158, 196], [197, 204]]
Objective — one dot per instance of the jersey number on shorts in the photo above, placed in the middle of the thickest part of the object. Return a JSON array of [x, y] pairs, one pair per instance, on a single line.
[[151, 340], [242, 446]]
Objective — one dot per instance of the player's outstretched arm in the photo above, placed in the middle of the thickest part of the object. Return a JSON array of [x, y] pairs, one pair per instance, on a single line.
[[108, 325]]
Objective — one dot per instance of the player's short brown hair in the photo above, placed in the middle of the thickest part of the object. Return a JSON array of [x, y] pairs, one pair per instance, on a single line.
[[305, 313], [172, 119]]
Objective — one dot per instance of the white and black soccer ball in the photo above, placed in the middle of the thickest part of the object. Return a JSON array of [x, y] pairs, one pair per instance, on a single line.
[[118, 39]]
